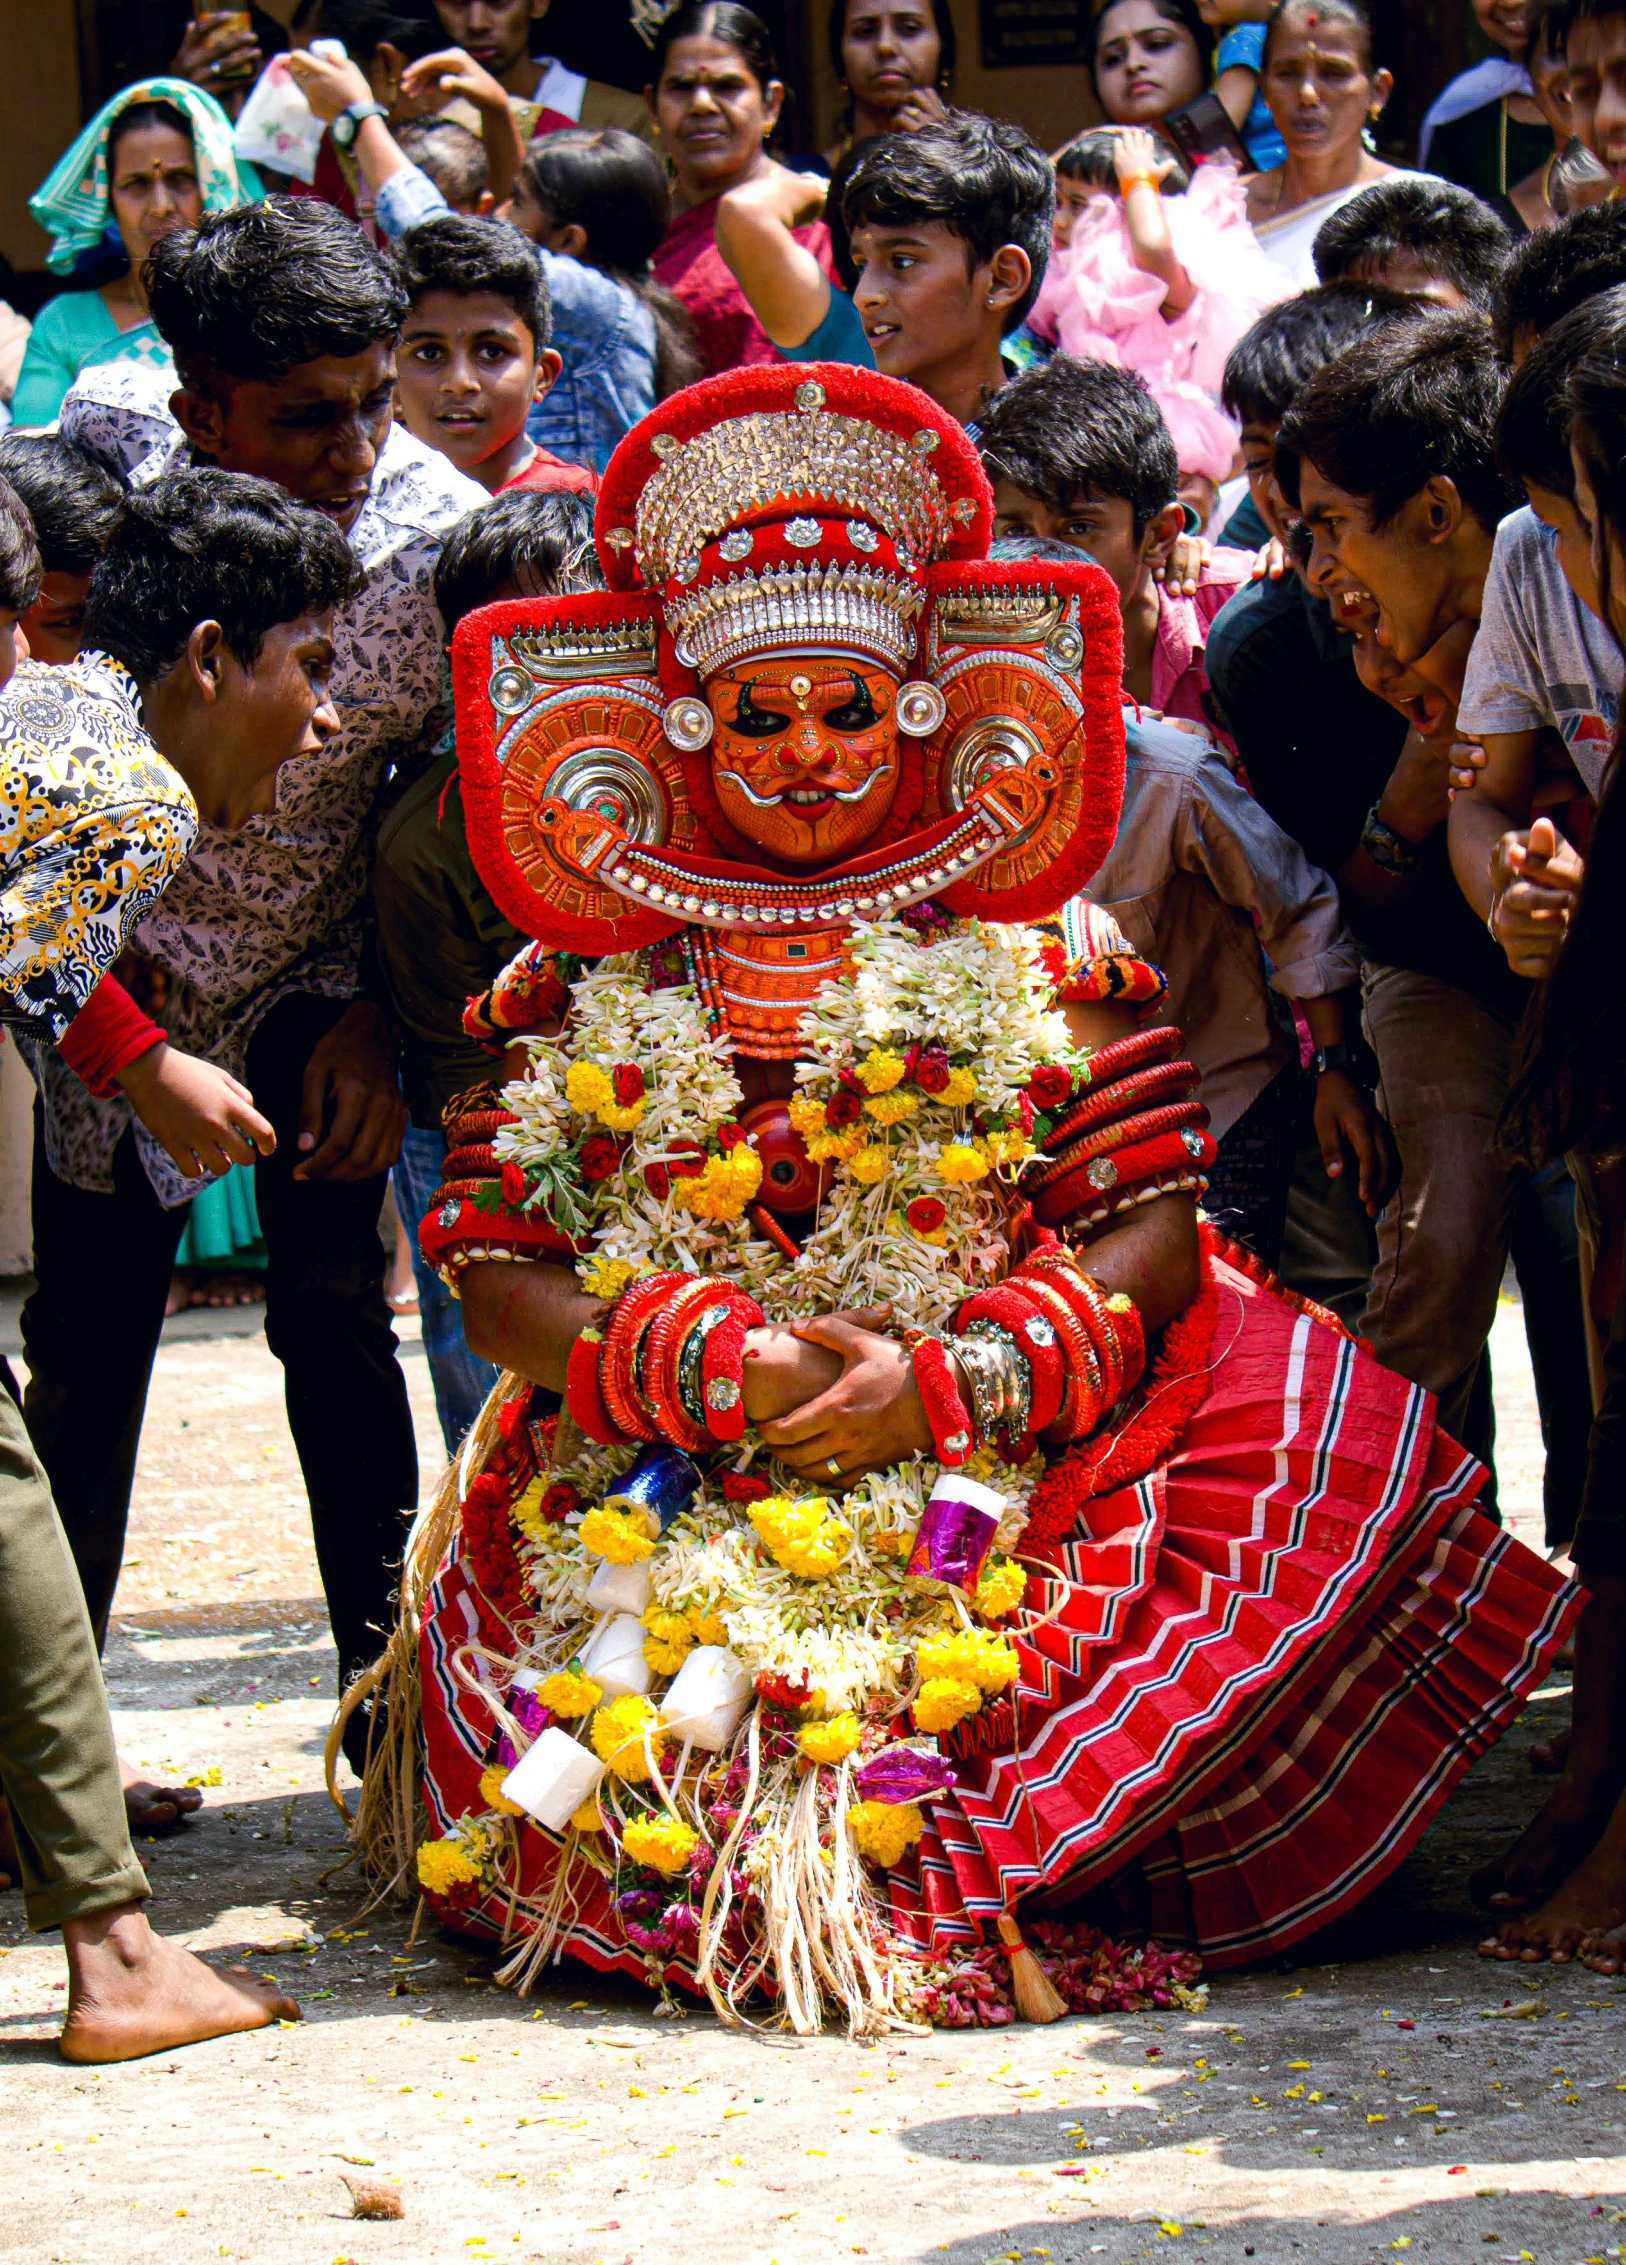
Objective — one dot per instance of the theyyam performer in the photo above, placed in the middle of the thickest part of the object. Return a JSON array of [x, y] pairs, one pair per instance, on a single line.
[[904, 1531]]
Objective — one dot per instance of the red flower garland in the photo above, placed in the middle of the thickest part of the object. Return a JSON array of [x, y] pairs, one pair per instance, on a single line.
[[488, 1541]]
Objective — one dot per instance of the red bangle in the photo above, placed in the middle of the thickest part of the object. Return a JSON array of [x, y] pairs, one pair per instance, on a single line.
[[1082, 1398], [722, 1369], [658, 1385], [1141, 1089], [634, 1310], [1035, 1334], [583, 1397], [953, 1434], [1092, 1177], [1062, 1270], [1136, 1052], [1122, 1134]]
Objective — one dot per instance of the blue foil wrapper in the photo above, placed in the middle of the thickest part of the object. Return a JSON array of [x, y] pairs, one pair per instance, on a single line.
[[952, 1540], [663, 1481], [903, 1773]]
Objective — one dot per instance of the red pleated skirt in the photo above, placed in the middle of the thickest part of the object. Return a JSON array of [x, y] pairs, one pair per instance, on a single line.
[[1255, 1673]]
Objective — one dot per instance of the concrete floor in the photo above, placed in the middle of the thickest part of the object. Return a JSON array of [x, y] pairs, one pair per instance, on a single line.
[[1384, 2094]]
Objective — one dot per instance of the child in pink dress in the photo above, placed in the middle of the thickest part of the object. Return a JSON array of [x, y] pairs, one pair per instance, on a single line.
[[1160, 283]]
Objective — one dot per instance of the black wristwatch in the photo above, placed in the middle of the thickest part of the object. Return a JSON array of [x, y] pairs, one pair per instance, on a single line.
[[1390, 852], [1340, 1056], [347, 125]]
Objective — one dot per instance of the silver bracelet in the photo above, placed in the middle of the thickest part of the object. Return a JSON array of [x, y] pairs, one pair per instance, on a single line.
[[1000, 1377]]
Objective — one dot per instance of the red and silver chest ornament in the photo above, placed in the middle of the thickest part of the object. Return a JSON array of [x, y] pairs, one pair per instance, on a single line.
[[800, 509]]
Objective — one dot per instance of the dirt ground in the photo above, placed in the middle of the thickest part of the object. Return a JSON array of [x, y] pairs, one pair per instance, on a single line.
[[1385, 2094]]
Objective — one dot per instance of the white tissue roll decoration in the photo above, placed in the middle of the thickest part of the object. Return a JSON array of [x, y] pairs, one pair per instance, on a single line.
[[620, 1588], [614, 1658], [552, 1779], [707, 1697]]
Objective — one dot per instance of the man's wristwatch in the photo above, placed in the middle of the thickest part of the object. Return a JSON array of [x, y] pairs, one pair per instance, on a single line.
[[347, 125], [1390, 852], [1339, 1056]]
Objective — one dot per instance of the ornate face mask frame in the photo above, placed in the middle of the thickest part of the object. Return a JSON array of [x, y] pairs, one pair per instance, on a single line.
[[816, 510]]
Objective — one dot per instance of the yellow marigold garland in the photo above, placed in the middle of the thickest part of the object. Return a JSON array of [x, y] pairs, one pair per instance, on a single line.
[[492, 1794], [830, 1741], [618, 1737], [944, 1700], [662, 1843], [569, 1692], [620, 1535], [803, 1536], [1001, 1588], [443, 1866], [885, 1830]]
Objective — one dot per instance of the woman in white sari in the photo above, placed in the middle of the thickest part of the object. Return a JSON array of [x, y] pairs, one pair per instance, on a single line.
[[1318, 79]]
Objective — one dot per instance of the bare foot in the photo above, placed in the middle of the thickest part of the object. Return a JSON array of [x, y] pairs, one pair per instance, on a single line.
[[1551, 1845], [180, 1294], [1549, 1755], [1589, 1907], [130, 1992], [151, 1810]]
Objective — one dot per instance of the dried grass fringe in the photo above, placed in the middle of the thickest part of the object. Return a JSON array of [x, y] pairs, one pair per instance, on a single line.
[[389, 1823]]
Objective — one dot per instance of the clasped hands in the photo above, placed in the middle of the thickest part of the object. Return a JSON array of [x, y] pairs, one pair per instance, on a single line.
[[834, 1398]]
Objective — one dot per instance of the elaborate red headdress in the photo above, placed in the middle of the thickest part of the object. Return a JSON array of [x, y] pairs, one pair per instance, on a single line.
[[813, 508]]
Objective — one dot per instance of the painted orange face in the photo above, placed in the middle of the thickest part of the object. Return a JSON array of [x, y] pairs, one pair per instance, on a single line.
[[805, 757]]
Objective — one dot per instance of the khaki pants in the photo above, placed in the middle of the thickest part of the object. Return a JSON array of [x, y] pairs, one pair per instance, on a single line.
[[1443, 1240], [57, 1764]]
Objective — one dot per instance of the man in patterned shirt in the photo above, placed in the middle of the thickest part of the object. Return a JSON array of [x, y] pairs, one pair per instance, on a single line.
[[212, 608], [282, 321]]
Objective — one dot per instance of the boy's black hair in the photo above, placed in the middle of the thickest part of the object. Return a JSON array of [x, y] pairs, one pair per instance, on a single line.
[[256, 291], [208, 545], [1069, 429], [73, 503], [1533, 425], [1270, 365], [453, 158], [540, 540], [1555, 268], [1089, 157], [20, 568], [1413, 402], [456, 252], [1447, 231], [982, 178]]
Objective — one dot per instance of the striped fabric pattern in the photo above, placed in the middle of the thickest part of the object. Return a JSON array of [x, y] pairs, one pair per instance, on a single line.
[[1250, 1682]]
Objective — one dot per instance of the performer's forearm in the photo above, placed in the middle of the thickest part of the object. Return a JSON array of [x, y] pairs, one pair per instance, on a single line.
[[1151, 1256], [525, 1318]]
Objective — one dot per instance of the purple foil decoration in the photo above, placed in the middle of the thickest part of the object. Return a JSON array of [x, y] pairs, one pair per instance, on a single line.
[[529, 1712], [506, 1756], [903, 1773], [953, 1539]]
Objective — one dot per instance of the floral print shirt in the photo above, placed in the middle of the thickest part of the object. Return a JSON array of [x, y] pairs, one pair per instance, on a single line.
[[279, 906], [93, 825]]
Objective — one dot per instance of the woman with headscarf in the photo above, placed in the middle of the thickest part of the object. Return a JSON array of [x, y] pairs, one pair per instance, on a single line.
[[150, 161]]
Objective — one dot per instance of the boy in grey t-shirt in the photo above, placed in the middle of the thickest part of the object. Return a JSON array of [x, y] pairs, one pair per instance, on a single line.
[[1548, 662], [1541, 659]]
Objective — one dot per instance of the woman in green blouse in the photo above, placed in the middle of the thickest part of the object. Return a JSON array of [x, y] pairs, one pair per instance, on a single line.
[[151, 160]]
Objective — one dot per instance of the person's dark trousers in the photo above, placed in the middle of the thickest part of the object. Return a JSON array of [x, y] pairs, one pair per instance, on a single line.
[[1248, 1179], [1546, 1257], [91, 1328]]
